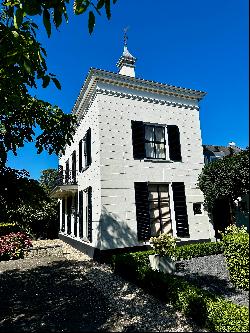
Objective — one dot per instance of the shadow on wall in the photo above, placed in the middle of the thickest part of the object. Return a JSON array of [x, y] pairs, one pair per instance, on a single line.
[[114, 233]]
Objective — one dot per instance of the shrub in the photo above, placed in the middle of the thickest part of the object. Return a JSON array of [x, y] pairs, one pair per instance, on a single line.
[[203, 307], [185, 252], [7, 228], [12, 245], [164, 245], [236, 250]]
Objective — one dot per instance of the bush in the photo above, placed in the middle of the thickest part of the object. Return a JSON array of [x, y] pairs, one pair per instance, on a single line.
[[7, 228], [203, 307], [185, 252], [236, 250], [164, 245], [12, 245]]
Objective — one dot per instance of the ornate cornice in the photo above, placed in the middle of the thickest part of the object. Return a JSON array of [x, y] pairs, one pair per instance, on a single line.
[[95, 76], [145, 99]]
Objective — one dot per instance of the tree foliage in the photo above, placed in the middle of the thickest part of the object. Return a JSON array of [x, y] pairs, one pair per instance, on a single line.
[[26, 202], [23, 64], [225, 178]]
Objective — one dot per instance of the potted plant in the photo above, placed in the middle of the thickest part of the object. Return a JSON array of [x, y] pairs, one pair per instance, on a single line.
[[163, 259]]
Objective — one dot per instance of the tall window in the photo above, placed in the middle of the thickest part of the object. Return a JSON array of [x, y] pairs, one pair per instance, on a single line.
[[155, 142], [159, 208], [85, 214], [153, 210], [85, 151]]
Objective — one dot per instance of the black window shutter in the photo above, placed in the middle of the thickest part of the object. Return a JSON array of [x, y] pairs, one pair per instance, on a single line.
[[73, 166], [142, 211], [138, 139], [69, 204], [80, 214], [88, 146], [90, 214], [63, 214], [75, 213], [180, 208], [80, 155], [174, 143]]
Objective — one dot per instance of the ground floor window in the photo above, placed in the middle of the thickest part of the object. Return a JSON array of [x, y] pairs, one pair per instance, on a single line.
[[159, 208], [153, 212]]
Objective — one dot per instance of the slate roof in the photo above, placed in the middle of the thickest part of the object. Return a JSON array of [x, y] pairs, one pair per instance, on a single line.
[[220, 151]]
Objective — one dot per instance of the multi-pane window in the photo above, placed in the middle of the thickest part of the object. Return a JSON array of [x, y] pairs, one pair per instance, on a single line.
[[153, 209], [155, 142], [85, 214], [85, 151], [159, 208], [149, 141]]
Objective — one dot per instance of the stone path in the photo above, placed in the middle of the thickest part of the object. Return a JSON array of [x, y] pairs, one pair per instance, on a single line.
[[74, 294]]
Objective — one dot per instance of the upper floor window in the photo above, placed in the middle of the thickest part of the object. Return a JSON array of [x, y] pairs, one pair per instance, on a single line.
[[149, 141], [155, 143], [85, 151]]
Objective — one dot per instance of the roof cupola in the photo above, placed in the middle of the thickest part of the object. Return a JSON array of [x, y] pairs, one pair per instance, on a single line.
[[126, 63]]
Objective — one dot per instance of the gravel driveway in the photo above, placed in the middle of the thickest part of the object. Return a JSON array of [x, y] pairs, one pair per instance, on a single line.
[[74, 294]]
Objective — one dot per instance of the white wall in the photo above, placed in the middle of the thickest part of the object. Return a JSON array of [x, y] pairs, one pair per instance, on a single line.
[[119, 170]]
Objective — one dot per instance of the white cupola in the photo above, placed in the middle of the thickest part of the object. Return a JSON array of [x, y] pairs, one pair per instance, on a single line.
[[126, 63]]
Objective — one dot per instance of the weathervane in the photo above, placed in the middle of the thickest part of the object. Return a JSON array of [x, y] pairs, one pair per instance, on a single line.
[[125, 38]]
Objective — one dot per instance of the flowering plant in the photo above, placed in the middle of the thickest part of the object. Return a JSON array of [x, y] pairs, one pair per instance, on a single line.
[[164, 245], [13, 244]]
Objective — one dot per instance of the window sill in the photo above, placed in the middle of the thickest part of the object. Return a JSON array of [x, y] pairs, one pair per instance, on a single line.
[[158, 160], [81, 171]]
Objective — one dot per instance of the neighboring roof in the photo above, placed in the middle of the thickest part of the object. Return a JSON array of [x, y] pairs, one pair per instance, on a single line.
[[220, 151], [98, 75]]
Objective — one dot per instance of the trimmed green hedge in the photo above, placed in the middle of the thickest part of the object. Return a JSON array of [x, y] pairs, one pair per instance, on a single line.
[[185, 252], [236, 251], [203, 307], [7, 228]]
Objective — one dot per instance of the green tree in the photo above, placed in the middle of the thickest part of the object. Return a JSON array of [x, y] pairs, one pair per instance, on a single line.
[[48, 179], [23, 64], [225, 178], [27, 203]]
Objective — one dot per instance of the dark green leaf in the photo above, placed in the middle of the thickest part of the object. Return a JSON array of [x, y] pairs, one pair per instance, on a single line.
[[57, 17], [27, 66], [18, 18], [100, 4], [57, 83], [91, 22], [46, 21], [46, 80], [107, 8]]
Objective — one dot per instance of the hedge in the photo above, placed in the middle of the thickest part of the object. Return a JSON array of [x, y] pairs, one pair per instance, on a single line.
[[185, 252], [236, 251], [7, 228], [206, 309]]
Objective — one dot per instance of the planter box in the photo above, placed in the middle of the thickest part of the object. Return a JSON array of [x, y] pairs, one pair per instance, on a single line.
[[162, 264]]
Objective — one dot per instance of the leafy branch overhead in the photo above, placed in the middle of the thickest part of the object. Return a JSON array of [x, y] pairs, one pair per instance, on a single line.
[[23, 65], [54, 11]]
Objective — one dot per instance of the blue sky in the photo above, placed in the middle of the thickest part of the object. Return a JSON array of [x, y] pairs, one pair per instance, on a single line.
[[193, 44]]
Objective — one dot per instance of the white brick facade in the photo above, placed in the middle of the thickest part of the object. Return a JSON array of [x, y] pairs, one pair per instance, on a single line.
[[107, 104]]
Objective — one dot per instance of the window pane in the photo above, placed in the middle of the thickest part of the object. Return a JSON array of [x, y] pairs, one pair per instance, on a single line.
[[149, 148], [160, 150], [149, 133], [159, 134]]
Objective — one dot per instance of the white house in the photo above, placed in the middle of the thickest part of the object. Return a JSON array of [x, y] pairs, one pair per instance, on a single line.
[[131, 171]]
